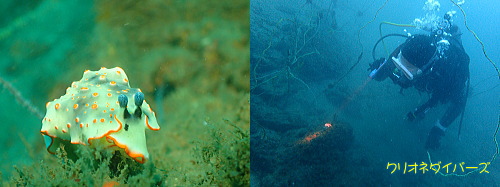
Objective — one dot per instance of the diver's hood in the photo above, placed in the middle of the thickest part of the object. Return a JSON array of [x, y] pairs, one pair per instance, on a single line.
[[409, 70]]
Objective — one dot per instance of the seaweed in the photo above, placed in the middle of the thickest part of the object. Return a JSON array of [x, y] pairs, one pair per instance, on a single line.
[[91, 168], [226, 157], [282, 60]]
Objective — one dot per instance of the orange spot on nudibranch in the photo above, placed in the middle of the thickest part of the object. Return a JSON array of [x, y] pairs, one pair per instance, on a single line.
[[84, 88], [112, 109], [81, 125], [109, 94], [94, 106], [110, 115], [75, 106], [125, 80], [68, 125], [112, 83], [55, 127], [104, 111], [64, 131], [95, 121], [118, 72], [95, 94], [109, 132], [77, 119], [87, 104], [57, 106], [102, 120]]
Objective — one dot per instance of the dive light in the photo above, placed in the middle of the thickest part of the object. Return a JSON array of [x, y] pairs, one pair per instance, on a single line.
[[374, 73]]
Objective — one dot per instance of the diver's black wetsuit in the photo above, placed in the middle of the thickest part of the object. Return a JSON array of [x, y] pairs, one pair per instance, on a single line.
[[445, 80]]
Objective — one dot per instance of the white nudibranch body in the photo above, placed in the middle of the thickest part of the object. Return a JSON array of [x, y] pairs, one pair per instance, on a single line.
[[102, 111]]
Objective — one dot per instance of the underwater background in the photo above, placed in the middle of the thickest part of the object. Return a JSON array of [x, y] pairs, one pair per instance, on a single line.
[[318, 120], [190, 58], [300, 65]]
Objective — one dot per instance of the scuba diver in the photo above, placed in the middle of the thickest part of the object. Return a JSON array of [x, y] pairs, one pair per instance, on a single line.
[[436, 64]]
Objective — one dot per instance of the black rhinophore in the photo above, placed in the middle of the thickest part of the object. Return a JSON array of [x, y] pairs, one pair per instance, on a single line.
[[123, 100], [138, 98]]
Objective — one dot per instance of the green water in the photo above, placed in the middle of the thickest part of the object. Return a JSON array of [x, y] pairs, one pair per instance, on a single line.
[[191, 60]]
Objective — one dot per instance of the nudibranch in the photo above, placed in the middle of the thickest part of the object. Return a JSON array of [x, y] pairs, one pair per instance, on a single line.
[[100, 110]]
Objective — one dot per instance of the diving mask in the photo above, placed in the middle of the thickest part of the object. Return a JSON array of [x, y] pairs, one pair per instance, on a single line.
[[409, 70]]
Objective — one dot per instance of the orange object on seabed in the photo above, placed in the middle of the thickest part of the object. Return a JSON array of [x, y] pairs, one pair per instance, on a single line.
[[310, 137], [110, 184]]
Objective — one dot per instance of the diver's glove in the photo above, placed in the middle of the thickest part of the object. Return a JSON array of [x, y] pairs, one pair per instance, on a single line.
[[379, 69], [415, 114], [376, 64], [434, 137]]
